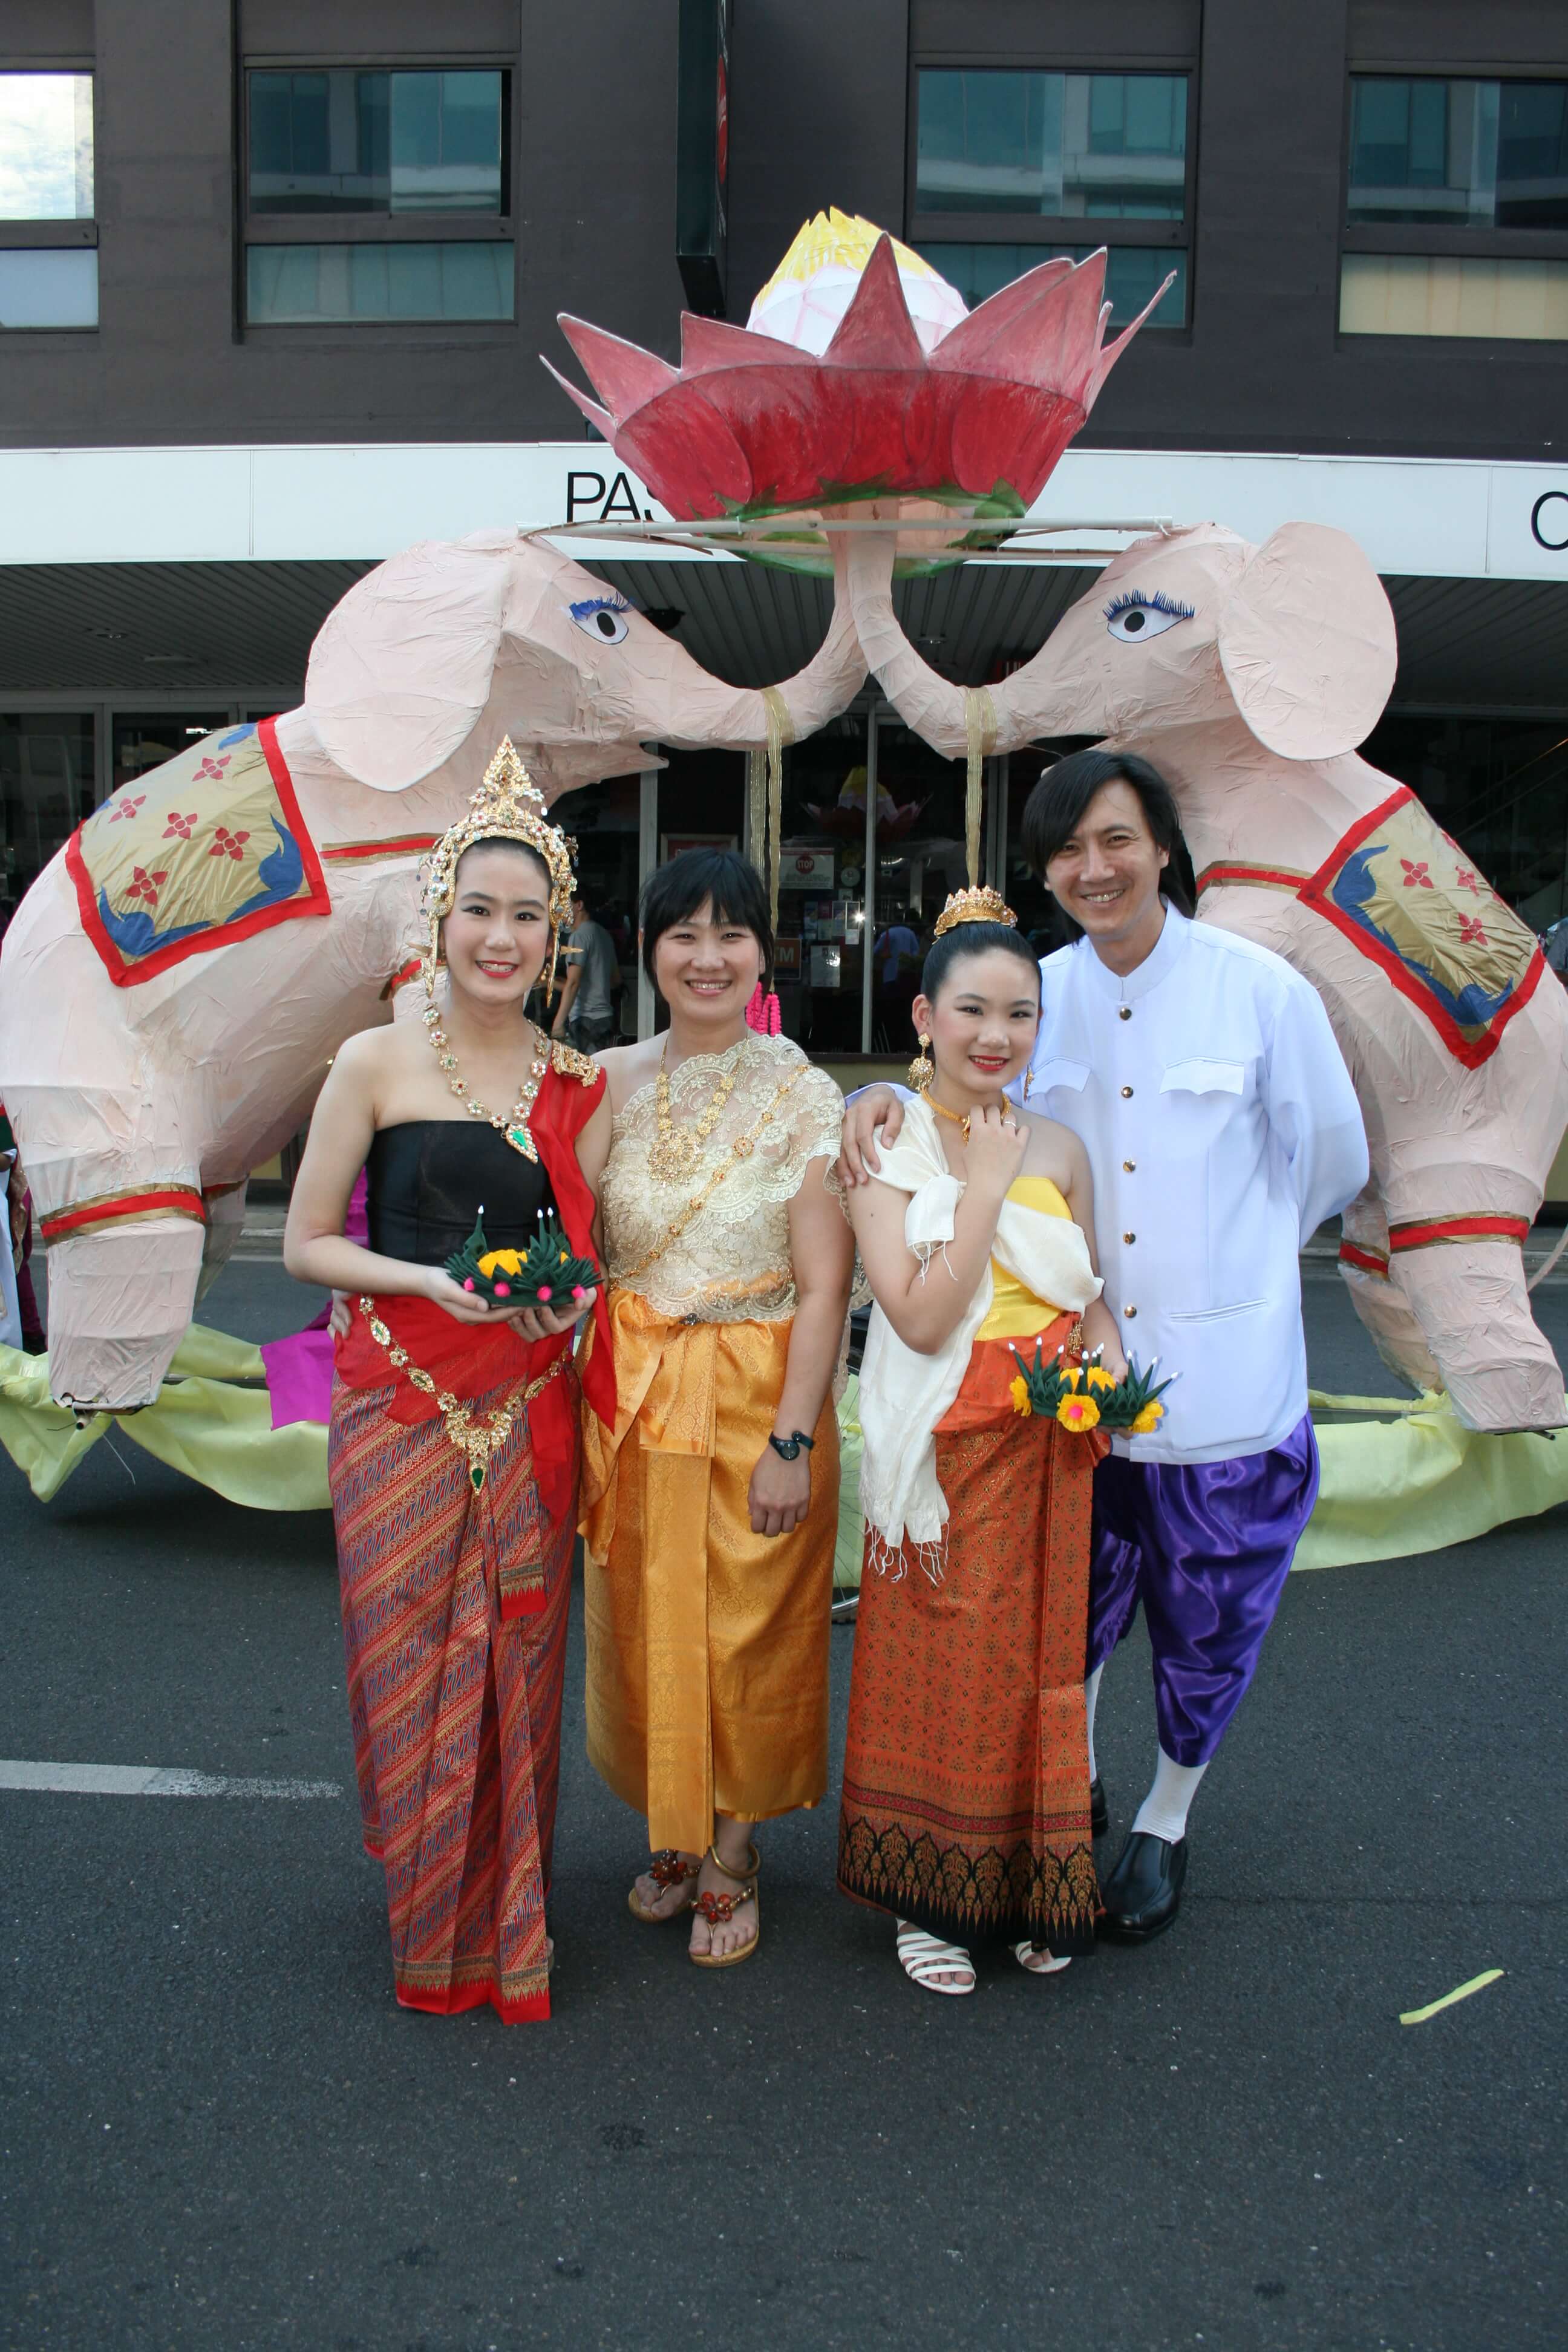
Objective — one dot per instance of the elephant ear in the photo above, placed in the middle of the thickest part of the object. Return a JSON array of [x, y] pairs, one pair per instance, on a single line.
[[400, 668], [1307, 642]]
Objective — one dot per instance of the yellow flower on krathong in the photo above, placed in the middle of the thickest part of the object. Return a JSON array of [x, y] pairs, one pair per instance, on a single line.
[[505, 1261], [1097, 1377], [1078, 1412], [1149, 1419], [1069, 1376], [1018, 1390]]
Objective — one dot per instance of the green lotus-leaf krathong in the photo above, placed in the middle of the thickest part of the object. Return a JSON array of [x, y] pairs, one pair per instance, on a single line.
[[1084, 1396], [549, 1273]]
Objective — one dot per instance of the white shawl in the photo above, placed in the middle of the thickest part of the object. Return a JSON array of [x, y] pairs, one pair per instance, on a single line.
[[903, 1394]]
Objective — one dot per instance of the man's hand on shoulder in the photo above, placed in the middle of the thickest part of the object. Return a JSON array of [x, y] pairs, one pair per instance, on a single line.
[[858, 1160]]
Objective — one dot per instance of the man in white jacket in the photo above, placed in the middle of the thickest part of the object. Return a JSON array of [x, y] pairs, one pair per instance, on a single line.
[[1222, 1127]]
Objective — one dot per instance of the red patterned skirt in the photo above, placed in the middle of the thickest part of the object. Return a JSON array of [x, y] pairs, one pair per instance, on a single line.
[[965, 1806], [456, 1711]]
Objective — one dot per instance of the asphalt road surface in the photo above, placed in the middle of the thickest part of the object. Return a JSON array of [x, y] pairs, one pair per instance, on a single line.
[[217, 2128]]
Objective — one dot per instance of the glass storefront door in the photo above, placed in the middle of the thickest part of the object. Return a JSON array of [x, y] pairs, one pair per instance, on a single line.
[[46, 790]]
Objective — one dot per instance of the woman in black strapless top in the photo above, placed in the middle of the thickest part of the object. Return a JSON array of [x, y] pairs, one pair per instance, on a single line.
[[454, 1449]]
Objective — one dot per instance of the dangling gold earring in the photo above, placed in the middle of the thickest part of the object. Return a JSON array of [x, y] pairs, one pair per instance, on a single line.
[[1028, 1080], [921, 1071]]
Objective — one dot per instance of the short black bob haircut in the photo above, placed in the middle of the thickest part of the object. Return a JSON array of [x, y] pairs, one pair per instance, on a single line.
[[1055, 810], [972, 940], [673, 893]]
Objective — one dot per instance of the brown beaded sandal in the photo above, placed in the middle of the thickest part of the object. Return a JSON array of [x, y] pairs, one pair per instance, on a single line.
[[670, 1870], [720, 1909]]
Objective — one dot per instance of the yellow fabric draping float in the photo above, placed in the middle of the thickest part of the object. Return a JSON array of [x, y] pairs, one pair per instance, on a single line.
[[212, 1418]]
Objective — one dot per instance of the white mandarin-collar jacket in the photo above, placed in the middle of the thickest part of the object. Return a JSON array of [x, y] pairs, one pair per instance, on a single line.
[[1222, 1128]]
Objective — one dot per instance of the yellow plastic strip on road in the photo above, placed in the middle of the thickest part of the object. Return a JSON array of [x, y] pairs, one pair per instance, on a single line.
[[1460, 1992]]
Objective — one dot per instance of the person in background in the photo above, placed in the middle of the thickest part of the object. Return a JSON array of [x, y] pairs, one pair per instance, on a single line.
[[585, 1015], [1222, 1128]]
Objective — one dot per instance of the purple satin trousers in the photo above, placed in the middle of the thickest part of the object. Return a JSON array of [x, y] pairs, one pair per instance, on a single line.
[[1206, 1547]]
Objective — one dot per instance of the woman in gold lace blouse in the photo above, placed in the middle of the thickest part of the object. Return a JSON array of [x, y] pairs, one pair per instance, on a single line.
[[712, 1507]]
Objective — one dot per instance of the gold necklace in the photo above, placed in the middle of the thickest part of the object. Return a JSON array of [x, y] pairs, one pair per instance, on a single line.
[[741, 1148], [959, 1118], [673, 1155], [477, 1439], [515, 1126]]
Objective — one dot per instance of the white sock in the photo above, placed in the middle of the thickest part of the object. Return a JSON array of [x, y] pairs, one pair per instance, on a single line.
[[1163, 1812], [1090, 1694]]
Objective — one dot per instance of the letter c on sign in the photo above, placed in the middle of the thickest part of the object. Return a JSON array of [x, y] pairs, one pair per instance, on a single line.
[[1560, 522]]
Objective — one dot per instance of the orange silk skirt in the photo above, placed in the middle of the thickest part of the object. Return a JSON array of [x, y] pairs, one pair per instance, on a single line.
[[708, 1645]]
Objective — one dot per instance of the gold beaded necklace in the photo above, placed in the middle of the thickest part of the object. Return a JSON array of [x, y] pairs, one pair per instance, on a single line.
[[673, 1155], [515, 1126]]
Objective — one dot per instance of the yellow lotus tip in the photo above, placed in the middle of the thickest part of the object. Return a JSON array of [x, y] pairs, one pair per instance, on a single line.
[[1018, 1390], [1149, 1419]]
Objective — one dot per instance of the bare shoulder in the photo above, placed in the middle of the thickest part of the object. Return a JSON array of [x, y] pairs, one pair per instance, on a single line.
[[1050, 1149], [371, 1054], [629, 1068]]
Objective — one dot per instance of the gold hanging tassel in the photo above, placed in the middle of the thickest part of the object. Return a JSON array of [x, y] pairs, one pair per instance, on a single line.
[[757, 809], [980, 727], [781, 731]]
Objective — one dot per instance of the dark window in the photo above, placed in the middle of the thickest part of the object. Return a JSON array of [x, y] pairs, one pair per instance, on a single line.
[[375, 141], [375, 195], [1458, 154], [1013, 166]]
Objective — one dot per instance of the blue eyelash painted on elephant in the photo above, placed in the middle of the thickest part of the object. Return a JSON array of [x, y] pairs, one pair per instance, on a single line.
[[280, 874]]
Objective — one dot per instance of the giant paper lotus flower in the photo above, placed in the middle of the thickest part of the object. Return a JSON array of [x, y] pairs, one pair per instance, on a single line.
[[964, 431]]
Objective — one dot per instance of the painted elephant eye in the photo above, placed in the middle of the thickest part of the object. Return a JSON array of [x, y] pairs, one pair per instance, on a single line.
[[1133, 614], [602, 618]]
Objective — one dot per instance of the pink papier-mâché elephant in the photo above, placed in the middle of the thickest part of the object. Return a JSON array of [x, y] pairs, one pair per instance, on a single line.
[[175, 984], [1249, 675]]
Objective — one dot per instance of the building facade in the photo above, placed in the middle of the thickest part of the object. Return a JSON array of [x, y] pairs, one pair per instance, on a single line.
[[274, 279]]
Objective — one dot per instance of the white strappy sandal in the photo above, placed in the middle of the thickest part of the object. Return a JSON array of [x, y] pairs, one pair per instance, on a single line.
[[1039, 1964], [925, 1958]]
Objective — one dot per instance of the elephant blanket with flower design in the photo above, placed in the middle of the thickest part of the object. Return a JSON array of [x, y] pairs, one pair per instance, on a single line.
[[213, 849]]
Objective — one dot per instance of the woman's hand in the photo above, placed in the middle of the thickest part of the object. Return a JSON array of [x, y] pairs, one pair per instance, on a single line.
[[549, 1322], [340, 1322], [780, 1494], [878, 1106], [529, 1322], [995, 1151]]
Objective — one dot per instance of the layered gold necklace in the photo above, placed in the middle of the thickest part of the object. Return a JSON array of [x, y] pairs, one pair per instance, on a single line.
[[675, 1152], [514, 1125]]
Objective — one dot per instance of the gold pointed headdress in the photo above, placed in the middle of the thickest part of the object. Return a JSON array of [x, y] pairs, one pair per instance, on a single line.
[[507, 806], [987, 906]]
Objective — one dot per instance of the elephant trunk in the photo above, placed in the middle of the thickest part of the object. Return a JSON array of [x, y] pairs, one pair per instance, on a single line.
[[739, 715], [931, 705]]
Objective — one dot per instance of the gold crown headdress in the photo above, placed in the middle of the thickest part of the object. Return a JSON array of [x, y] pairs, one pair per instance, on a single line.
[[987, 906], [507, 806]]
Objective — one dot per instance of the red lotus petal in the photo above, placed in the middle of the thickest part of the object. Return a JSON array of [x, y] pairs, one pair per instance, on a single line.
[[623, 374], [687, 454], [599, 418], [1113, 351], [876, 329], [1012, 433], [967, 344]]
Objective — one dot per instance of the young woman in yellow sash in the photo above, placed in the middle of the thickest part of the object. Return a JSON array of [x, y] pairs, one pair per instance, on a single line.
[[712, 1506], [966, 1781]]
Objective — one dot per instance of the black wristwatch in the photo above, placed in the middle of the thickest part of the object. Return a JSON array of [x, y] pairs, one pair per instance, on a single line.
[[789, 1447]]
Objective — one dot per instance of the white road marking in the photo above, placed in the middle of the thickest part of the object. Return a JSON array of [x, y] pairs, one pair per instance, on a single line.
[[151, 1781]]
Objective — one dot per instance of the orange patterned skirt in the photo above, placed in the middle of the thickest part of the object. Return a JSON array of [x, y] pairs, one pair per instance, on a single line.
[[456, 1710], [965, 1806]]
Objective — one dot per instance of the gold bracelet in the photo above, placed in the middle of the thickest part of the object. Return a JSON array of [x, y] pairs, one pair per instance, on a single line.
[[477, 1439]]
